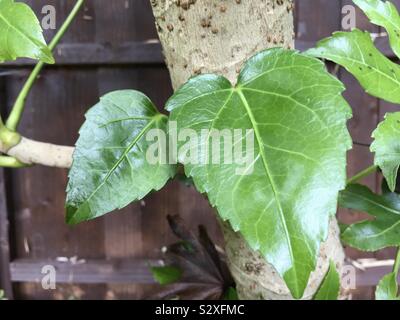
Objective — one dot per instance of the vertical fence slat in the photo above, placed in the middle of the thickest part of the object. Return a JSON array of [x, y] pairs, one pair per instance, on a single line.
[[5, 277]]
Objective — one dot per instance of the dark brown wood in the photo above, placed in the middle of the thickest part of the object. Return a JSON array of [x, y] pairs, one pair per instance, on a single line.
[[94, 54], [115, 271], [5, 276]]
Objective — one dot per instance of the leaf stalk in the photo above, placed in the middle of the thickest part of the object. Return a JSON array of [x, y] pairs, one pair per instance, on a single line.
[[19, 106]]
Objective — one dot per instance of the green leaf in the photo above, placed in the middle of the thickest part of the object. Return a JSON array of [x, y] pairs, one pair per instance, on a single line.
[[372, 235], [110, 168], [283, 197], [383, 14], [21, 34], [231, 294], [2, 297], [387, 288], [330, 287], [387, 147], [356, 52], [166, 275]]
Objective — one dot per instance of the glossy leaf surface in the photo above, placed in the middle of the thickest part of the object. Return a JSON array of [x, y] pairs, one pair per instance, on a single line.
[[387, 147], [283, 197], [110, 168], [381, 232], [21, 34]]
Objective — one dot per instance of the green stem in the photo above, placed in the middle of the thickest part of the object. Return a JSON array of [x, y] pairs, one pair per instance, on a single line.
[[10, 162], [362, 174], [16, 113], [397, 263]]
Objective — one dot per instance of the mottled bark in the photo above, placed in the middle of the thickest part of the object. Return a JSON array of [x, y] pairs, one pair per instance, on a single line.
[[214, 36]]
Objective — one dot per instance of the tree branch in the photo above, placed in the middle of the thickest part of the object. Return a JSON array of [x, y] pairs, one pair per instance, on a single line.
[[32, 152]]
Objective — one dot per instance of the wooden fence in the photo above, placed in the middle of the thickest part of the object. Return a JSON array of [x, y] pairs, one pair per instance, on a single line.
[[113, 45]]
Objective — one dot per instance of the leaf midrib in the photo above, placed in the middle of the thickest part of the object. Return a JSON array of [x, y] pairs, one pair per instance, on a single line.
[[19, 31], [128, 149], [365, 65], [267, 170], [374, 203]]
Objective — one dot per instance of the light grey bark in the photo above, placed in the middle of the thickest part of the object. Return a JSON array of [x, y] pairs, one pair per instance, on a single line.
[[34, 152], [218, 36]]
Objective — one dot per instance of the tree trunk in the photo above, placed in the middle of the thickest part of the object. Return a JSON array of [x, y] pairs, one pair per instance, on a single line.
[[218, 36]]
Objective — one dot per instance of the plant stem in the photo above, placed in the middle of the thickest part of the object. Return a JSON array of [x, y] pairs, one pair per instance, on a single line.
[[16, 112], [10, 162], [362, 174], [397, 263]]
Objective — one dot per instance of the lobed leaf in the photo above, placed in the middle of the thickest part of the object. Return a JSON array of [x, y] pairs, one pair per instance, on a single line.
[[284, 197], [21, 34], [372, 235], [110, 168], [356, 52], [387, 147], [383, 14]]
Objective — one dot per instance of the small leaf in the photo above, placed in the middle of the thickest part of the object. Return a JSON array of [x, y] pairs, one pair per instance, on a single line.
[[330, 287], [21, 34], [166, 275], [231, 294], [387, 147], [282, 197], [372, 235], [387, 288], [2, 297], [356, 52], [110, 168], [383, 14]]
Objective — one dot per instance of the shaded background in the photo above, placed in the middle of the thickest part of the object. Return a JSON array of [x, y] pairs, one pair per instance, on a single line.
[[113, 45]]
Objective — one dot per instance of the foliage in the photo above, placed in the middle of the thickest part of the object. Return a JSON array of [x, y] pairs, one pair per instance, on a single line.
[[387, 147], [21, 33], [330, 287], [110, 168], [268, 205], [203, 273], [166, 275], [387, 288], [284, 198], [379, 233], [379, 76]]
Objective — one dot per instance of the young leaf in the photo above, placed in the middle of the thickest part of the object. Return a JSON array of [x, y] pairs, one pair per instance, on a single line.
[[21, 34], [356, 52], [372, 235], [110, 168], [383, 14], [282, 198], [387, 147], [330, 287], [387, 288], [166, 275]]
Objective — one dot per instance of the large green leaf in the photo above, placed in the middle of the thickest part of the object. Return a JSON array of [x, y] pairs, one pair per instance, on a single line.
[[372, 235], [384, 14], [330, 287], [21, 34], [387, 147], [387, 288], [283, 199], [110, 168], [356, 52]]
